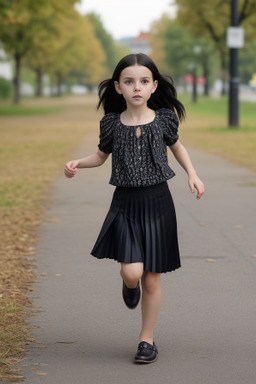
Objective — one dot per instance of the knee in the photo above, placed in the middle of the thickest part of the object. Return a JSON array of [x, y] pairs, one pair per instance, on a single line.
[[132, 272], [151, 282]]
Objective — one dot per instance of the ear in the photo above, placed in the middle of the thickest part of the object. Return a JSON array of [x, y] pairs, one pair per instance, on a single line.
[[155, 84], [117, 87]]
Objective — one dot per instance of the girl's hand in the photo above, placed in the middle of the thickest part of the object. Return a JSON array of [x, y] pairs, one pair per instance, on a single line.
[[195, 183], [71, 168]]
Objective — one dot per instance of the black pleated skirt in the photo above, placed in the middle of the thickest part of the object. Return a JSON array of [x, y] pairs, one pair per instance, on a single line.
[[141, 227]]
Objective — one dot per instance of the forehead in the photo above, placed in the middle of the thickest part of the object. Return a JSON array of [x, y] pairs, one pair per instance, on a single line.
[[136, 71]]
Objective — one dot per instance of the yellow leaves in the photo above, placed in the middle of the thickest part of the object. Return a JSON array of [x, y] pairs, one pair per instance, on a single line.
[[78, 48], [15, 17]]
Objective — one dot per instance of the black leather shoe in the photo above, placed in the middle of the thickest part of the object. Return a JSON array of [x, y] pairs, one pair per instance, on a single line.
[[131, 296], [146, 353]]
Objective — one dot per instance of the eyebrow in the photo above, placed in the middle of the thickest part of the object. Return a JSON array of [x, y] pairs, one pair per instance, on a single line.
[[131, 78]]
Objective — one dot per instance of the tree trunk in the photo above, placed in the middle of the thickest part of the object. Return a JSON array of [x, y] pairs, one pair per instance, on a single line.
[[206, 76], [17, 78], [223, 71], [39, 82], [59, 81], [194, 89]]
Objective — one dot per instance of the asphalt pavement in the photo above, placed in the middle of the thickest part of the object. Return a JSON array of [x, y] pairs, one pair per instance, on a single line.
[[206, 330]]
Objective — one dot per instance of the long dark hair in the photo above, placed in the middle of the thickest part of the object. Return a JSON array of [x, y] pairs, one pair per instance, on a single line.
[[165, 95]]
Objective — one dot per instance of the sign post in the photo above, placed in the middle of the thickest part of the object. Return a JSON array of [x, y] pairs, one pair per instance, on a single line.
[[235, 40]]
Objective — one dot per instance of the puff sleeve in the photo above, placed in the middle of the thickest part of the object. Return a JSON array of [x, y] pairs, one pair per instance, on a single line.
[[107, 132], [170, 124]]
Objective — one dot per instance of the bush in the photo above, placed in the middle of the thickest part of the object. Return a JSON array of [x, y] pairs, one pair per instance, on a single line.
[[5, 89]]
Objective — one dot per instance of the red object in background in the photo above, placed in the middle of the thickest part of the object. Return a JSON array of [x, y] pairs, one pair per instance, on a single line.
[[199, 80], [189, 78]]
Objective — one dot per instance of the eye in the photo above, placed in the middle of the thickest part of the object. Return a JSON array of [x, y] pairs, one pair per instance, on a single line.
[[128, 82], [145, 81]]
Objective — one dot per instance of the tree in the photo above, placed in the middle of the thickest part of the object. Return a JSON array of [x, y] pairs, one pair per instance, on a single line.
[[212, 17], [174, 49], [247, 61], [112, 49], [40, 54], [77, 50], [19, 21]]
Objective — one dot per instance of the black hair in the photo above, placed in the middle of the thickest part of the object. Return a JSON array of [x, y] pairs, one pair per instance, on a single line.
[[165, 95]]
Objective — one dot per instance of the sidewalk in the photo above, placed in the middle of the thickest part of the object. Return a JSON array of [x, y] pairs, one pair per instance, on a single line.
[[206, 331]]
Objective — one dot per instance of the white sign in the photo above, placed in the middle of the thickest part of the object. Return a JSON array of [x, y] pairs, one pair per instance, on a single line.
[[235, 37]]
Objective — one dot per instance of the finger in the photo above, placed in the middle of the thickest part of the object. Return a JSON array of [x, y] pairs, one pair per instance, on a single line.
[[68, 173], [200, 192], [191, 186]]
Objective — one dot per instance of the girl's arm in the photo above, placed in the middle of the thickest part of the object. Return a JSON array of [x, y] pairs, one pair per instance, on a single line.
[[182, 156], [90, 161]]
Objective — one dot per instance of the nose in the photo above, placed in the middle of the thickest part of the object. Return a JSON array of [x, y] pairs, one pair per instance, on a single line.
[[137, 86]]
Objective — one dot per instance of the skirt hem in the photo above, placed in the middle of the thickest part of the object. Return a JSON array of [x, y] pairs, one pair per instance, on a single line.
[[145, 270]]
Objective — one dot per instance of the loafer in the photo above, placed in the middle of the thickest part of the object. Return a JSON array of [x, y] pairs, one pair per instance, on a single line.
[[146, 353], [131, 296]]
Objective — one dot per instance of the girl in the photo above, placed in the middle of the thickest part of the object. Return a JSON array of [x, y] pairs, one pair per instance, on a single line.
[[140, 231]]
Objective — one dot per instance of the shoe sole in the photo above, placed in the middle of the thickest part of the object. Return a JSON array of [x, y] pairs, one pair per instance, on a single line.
[[145, 362], [132, 307]]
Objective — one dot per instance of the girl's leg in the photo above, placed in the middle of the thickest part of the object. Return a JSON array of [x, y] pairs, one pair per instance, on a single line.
[[131, 273], [150, 304]]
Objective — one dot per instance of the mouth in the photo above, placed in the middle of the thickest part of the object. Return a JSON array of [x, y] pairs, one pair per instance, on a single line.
[[137, 97]]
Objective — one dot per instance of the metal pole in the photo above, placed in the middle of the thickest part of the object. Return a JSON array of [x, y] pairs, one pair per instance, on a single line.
[[234, 79]]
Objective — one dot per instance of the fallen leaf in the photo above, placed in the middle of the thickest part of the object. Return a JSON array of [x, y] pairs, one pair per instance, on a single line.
[[41, 373], [254, 256], [43, 274], [238, 226], [211, 260], [58, 274], [53, 220]]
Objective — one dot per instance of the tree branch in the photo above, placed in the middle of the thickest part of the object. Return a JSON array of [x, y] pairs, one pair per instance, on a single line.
[[248, 9]]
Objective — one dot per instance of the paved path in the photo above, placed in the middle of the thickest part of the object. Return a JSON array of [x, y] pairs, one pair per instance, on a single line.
[[206, 331]]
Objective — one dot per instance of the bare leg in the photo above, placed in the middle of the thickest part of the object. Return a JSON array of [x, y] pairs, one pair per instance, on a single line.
[[131, 273], [150, 304]]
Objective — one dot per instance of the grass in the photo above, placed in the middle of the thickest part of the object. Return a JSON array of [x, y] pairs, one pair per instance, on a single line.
[[206, 128], [33, 150], [24, 110]]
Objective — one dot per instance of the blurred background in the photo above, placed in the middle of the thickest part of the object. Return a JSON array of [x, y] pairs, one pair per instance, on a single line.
[[55, 48]]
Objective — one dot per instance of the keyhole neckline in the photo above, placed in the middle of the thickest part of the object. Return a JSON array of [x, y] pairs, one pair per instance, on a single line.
[[138, 131]]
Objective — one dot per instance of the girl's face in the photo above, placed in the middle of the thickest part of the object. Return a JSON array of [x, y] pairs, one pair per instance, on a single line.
[[136, 84]]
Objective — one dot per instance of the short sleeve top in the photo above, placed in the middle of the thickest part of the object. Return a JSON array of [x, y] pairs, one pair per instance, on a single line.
[[139, 161]]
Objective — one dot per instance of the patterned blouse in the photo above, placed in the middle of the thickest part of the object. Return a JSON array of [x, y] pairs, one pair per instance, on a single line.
[[139, 161]]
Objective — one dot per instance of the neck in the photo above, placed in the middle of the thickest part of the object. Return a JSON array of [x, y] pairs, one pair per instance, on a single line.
[[137, 115]]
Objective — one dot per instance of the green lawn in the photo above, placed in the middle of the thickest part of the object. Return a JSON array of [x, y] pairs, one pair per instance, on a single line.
[[25, 110], [206, 128]]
